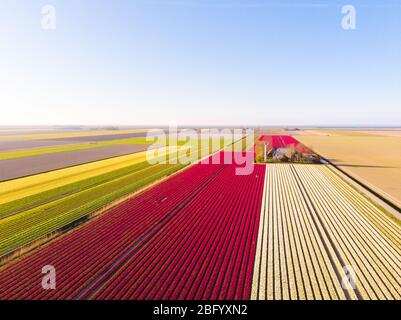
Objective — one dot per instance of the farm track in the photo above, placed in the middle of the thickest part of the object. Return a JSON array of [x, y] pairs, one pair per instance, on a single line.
[[313, 224]]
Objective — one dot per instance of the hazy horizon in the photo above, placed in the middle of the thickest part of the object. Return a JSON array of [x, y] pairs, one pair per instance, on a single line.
[[155, 126]]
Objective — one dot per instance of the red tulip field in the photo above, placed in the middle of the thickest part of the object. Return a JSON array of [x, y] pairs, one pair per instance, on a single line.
[[282, 231], [283, 141], [190, 237]]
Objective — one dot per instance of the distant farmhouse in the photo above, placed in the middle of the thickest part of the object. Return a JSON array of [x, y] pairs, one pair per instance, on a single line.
[[284, 148]]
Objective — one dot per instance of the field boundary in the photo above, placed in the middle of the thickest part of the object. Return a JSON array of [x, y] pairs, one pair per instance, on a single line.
[[37, 244], [66, 167], [373, 195]]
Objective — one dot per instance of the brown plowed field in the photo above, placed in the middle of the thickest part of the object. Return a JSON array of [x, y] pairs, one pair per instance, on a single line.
[[104, 137], [20, 167], [10, 145]]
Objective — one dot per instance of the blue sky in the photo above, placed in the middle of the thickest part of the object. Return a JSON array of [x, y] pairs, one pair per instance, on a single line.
[[200, 62]]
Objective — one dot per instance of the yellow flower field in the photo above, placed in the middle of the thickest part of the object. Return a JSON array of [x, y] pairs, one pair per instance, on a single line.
[[20, 188]]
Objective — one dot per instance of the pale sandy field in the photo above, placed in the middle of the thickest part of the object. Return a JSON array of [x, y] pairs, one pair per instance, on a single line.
[[373, 157]]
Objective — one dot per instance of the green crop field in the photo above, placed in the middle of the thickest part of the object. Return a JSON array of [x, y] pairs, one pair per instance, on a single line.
[[36, 215], [41, 198], [25, 227]]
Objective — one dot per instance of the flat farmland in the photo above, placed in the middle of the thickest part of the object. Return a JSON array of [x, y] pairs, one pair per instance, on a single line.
[[8, 145], [374, 158], [106, 137], [73, 134], [26, 166], [74, 139], [15, 131], [191, 237], [284, 231], [24, 187], [34, 207], [56, 146], [315, 230], [25, 131]]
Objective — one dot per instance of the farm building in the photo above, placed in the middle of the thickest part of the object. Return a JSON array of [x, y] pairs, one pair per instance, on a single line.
[[285, 148]]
